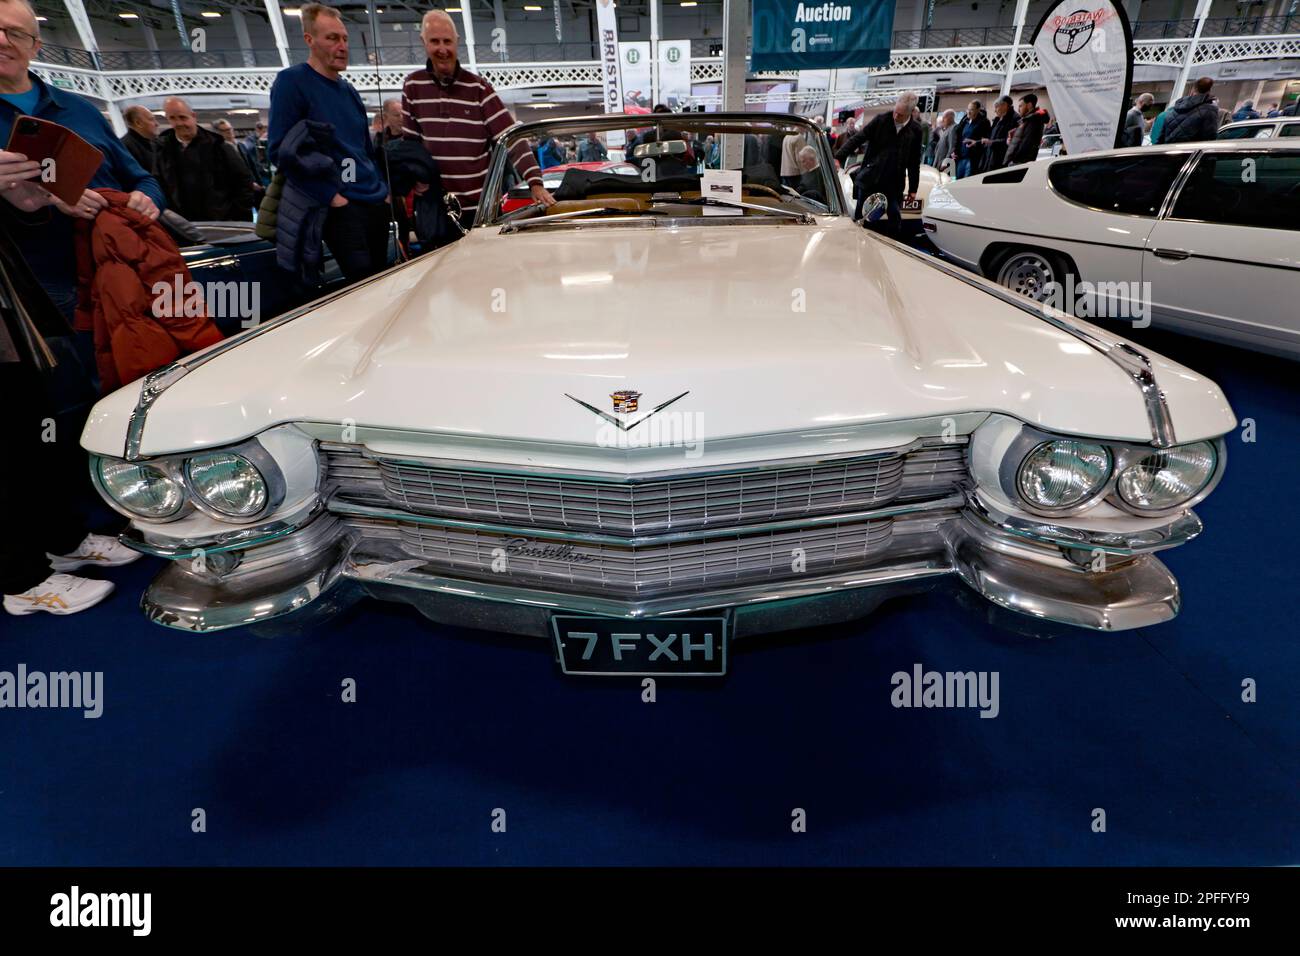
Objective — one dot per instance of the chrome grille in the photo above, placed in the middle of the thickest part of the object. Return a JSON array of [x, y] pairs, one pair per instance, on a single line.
[[646, 569], [642, 507]]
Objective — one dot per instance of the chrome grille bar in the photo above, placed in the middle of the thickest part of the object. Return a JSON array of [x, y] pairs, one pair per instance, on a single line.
[[733, 497]]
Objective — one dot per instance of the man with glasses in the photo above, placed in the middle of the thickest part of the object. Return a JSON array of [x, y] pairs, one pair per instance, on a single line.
[[47, 240]]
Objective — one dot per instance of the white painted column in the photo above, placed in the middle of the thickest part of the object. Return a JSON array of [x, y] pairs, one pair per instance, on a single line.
[[467, 18], [241, 36], [735, 30], [654, 51], [1022, 7], [1202, 11], [277, 28]]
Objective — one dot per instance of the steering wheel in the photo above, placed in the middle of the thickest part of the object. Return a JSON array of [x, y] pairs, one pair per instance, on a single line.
[[761, 189]]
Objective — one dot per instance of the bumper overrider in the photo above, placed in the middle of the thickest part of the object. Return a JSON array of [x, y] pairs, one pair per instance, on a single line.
[[772, 575]]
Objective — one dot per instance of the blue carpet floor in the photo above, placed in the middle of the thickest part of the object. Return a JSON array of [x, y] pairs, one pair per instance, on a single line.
[[450, 725]]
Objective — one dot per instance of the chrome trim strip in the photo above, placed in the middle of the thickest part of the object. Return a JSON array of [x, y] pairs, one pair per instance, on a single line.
[[559, 601], [341, 506], [237, 539], [1176, 188], [1134, 362], [1182, 529]]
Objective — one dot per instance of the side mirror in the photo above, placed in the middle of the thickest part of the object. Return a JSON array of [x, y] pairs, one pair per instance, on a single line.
[[875, 207]]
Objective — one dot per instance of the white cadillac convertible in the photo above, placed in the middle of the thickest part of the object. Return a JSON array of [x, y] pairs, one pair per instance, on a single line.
[[661, 415]]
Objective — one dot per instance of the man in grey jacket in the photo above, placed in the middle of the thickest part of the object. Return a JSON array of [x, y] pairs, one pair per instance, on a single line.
[[943, 146], [1135, 121]]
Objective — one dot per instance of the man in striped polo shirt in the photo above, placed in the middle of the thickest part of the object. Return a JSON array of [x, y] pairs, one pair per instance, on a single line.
[[457, 115]]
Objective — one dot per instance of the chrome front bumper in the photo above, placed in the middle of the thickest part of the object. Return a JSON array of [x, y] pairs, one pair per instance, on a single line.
[[1093, 580]]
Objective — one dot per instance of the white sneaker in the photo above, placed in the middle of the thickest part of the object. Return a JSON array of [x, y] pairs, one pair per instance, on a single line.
[[59, 594], [97, 549]]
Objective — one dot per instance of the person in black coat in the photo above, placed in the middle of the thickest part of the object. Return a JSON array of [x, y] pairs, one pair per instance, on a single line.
[[995, 147], [204, 177], [1194, 118], [892, 142], [141, 139], [968, 141], [1023, 143]]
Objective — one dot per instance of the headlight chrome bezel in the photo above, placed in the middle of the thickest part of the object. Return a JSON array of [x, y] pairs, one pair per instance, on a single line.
[[97, 476], [1123, 456], [176, 467], [261, 460]]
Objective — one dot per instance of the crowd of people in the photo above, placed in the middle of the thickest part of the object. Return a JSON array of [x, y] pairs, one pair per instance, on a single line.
[[85, 320]]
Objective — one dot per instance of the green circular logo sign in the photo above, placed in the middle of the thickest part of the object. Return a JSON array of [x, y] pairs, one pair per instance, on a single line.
[[633, 55], [674, 54]]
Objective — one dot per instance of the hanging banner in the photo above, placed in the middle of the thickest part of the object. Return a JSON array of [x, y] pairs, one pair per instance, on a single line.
[[559, 36], [675, 72], [634, 61], [610, 76], [1085, 50], [77, 11], [792, 35]]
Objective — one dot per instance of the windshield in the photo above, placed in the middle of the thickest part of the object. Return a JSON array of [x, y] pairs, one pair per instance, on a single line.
[[654, 165]]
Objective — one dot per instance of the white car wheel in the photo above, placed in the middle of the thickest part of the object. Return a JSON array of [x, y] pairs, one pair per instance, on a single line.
[[1028, 272]]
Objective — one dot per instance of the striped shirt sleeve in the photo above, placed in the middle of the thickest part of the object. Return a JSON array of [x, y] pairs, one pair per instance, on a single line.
[[498, 120]]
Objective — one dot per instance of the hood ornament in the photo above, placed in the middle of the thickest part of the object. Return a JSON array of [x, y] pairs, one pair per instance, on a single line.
[[625, 401]]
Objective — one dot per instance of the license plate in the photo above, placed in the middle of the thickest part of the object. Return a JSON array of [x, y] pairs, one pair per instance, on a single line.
[[911, 205], [650, 647]]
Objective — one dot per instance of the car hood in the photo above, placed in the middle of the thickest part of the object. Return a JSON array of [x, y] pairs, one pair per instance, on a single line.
[[760, 328]]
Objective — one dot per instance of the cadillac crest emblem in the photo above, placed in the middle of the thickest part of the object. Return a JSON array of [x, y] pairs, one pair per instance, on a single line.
[[625, 401]]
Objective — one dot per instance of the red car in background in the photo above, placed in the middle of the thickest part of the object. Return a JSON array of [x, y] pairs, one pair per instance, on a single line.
[[519, 196]]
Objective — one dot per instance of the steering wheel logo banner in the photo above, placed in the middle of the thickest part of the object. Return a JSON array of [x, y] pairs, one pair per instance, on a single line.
[[1085, 52], [1073, 32]]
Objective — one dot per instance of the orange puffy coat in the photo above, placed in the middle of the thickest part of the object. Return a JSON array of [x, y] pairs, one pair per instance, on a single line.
[[121, 255]]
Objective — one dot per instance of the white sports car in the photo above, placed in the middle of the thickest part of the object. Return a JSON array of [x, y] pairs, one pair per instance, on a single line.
[[1200, 237], [653, 419]]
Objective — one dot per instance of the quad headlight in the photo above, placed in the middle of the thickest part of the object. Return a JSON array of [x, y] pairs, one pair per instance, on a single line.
[[228, 483], [1062, 474], [1165, 479], [141, 488], [239, 484]]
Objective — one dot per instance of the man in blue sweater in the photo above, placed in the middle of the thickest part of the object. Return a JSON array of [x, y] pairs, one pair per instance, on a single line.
[[47, 223], [356, 227]]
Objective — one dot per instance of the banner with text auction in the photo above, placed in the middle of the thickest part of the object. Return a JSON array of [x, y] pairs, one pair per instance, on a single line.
[[611, 77], [794, 35], [1085, 50]]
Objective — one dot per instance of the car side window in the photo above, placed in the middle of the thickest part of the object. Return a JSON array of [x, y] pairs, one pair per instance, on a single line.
[[1134, 185], [1243, 189], [1242, 132], [1290, 129]]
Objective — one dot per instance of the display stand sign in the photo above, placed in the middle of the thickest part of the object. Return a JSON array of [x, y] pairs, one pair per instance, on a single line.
[[675, 72], [798, 35], [724, 184], [1085, 50]]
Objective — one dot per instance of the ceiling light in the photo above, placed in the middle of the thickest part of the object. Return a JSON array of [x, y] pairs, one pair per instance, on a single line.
[[291, 12], [41, 19], [210, 14], [129, 16], [453, 10], [688, 3], [531, 8]]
